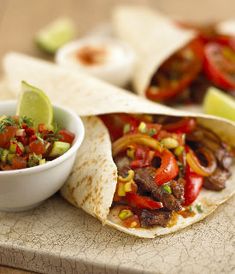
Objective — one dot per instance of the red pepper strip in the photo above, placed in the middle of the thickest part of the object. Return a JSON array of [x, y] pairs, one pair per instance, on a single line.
[[185, 125], [138, 201], [169, 88], [168, 169], [217, 68], [116, 122], [192, 186]]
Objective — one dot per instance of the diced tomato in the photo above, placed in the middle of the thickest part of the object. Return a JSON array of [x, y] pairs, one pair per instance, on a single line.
[[66, 136], [5, 137], [33, 138], [168, 169], [42, 128], [18, 163], [138, 201], [184, 125], [37, 147], [5, 167], [192, 187], [23, 139], [29, 131], [143, 157], [132, 222]]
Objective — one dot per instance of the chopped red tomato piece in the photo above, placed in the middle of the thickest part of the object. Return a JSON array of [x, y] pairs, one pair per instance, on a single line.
[[18, 162], [37, 147], [66, 136], [132, 222], [42, 128], [8, 133], [143, 157], [29, 131]]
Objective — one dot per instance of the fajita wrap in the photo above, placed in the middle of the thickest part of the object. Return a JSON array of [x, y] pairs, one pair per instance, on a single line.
[[94, 179], [153, 36], [176, 61]]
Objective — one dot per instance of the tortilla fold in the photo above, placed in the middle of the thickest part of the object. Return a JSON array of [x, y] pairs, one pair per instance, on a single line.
[[153, 37], [92, 183]]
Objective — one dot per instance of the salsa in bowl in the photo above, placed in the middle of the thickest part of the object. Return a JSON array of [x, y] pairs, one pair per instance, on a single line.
[[25, 187]]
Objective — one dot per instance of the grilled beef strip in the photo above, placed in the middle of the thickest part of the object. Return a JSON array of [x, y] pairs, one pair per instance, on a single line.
[[123, 164], [177, 188], [154, 217], [145, 178], [217, 180]]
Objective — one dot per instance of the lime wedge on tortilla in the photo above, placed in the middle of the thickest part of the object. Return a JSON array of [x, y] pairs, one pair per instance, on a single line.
[[35, 104], [55, 35], [219, 104]]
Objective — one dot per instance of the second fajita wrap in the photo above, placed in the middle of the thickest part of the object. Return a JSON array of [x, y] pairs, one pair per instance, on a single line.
[[143, 168], [176, 61]]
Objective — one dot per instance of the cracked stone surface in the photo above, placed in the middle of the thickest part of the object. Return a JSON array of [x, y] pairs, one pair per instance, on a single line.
[[58, 238]]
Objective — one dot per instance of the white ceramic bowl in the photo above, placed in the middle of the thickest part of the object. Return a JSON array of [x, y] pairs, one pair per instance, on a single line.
[[118, 72], [26, 188]]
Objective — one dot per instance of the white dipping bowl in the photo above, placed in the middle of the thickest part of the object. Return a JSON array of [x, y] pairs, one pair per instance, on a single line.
[[24, 189], [117, 71]]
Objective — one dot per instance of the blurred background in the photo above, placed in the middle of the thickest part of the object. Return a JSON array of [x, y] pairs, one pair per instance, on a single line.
[[21, 19]]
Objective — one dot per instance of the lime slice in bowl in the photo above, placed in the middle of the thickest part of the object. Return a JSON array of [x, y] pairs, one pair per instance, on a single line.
[[55, 35], [219, 104], [35, 104]]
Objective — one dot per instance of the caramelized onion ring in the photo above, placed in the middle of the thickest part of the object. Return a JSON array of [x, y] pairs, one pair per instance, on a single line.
[[140, 139], [195, 164]]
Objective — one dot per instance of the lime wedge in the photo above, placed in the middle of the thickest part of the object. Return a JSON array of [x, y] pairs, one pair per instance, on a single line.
[[34, 104], [55, 35], [219, 104]]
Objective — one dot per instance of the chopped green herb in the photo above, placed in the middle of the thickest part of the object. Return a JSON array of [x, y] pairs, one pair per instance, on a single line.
[[152, 131], [34, 160], [25, 120], [199, 208], [126, 128], [39, 137], [167, 189], [190, 209], [7, 121]]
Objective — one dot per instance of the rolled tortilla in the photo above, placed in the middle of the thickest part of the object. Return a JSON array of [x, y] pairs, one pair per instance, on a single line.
[[154, 38], [92, 183]]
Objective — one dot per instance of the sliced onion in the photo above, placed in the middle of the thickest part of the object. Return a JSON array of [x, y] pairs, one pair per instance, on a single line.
[[20, 132], [140, 139], [195, 164]]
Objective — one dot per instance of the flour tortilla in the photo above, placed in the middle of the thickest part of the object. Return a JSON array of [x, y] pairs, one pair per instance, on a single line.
[[153, 36], [92, 183]]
